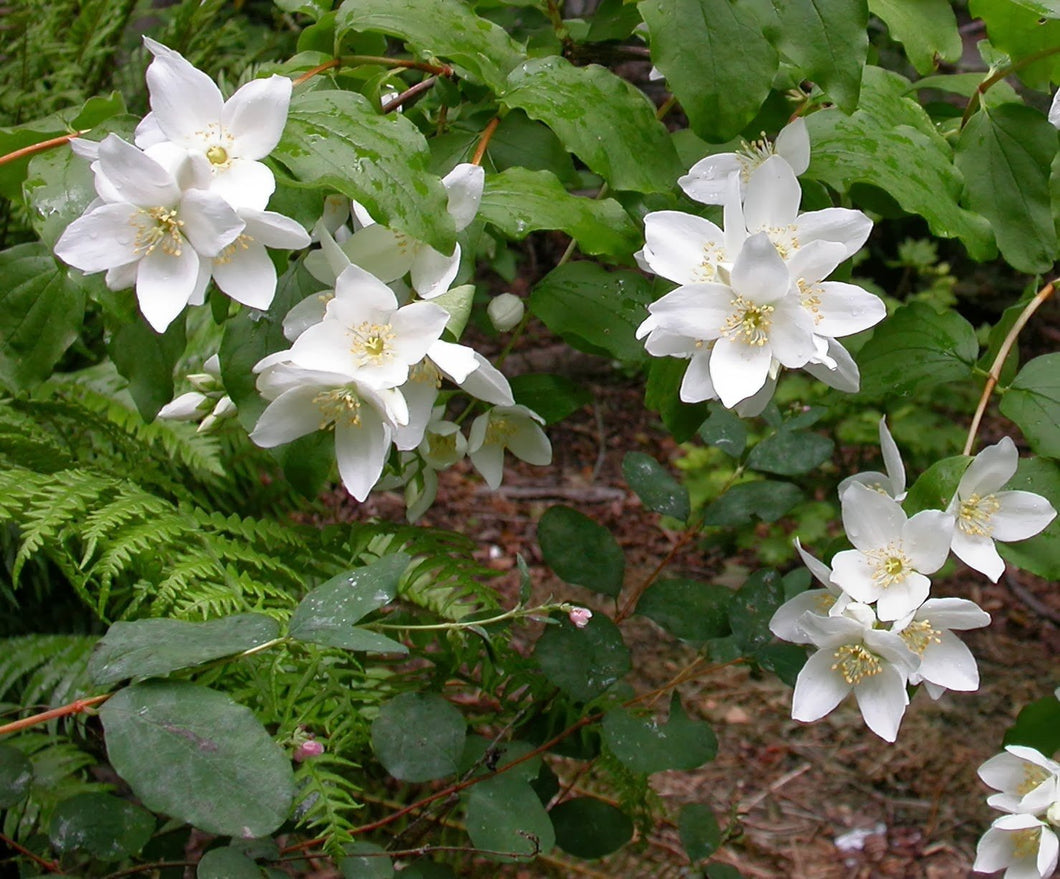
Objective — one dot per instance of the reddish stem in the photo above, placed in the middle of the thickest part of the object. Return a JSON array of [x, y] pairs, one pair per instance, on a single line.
[[484, 141], [50, 866], [40, 147], [76, 707]]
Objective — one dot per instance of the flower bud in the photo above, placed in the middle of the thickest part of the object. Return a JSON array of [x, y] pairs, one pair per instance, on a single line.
[[580, 616], [505, 311], [307, 750]]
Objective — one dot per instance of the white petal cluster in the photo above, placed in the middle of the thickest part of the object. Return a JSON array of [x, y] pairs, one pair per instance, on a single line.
[[753, 297], [883, 586], [371, 369], [187, 202], [1023, 842]]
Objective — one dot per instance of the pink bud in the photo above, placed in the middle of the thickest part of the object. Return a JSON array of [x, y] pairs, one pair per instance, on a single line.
[[308, 749], [580, 616]]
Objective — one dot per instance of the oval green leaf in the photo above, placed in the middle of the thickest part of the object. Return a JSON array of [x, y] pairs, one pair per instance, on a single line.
[[655, 486], [699, 831], [1033, 402], [16, 776], [419, 737], [790, 452], [226, 863], [193, 753], [583, 662], [505, 815], [101, 825], [766, 500], [642, 744], [687, 609], [580, 551], [590, 828]]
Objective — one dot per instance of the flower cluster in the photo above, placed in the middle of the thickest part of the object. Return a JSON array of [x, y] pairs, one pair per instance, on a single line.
[[367, 360], [187, 202], [1023, 842], [874, 624], [753, 296]]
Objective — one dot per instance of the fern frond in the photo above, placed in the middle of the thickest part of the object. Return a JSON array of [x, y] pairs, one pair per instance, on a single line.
[[327, 798], [46, 670]]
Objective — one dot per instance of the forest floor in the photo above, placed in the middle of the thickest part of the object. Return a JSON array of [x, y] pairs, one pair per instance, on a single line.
[[827, 800]]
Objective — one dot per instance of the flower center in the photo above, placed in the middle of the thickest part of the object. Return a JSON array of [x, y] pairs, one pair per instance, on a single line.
[[243, 242], [713, 253], [161, 230], [890, 565], [1032, 777], [975, 513], [371, 343], [919, 636], [498, 431], [783, 238], [855, 663], [425, 372], [338, 404], [217, 155], [441, 445], [1025, 842], [753, 154], [749, 322], [810, 298]]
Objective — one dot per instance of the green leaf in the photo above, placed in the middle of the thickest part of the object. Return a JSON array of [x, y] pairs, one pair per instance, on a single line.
[[716, 60], [927, 29], [583, 662], [594, 310], [1020, 33], [101, 825], [226, 863], [419, 737], [336, 139], [373, 862], [891, 143], [16, 776], [58, 187], [457, 301], [789, 452], [590, 828], [1033, 402], [1005, 154], [828, 41], [147, 360], [553, 397], [519, 201], [41, 310], [936, 486], [328, 613], [655, 486], [724, 429], [194, 754], [1037, 726], [605, 121], [767, 500], [753, 606], [505, 815], [521, 142], [478, 48], [662, 395], [151, 648], [916, 348], [643, 745], [1039, 554], [699, 831], [1043, 8], [580, 551], [784, 660], [689, 610]]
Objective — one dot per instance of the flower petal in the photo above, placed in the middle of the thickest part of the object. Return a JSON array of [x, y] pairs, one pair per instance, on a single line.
[[210, 224], [247, 276], [185, 101], [164, 285], [772, 197], [793, 145], [882, 699], [1021, 514], [382, 251], [706, 180], [948, 662], [361, 450], [103, 238], [134, 176], [818, 688], [841, 225], [244, 184], [275, 230], [682, 247], [903, 597], [926, 538], [845, 309], [432, 272], [464, 185], [871, 520], [255, 115], [696, 385], [738, 371], [990, 469], [759, 274], [978, 552], [291, 415]]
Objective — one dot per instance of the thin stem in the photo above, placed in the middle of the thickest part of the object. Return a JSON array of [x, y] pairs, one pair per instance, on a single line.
[[484, 140], [999, 361], [354, 60], [78, 706], [428, 627], [998, 75], [631, 602], [35, 148], [50, 866], [409, 93]]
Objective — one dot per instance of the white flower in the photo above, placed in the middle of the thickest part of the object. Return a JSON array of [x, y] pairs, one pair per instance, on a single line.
[[786, 621], [1027, 780], [854, 657], [506, 427], [984, 513], [146, 231], [892, 554], [945, 662], [389, 254], [505, 311], [891, 483], [751, 321], [243, 270], [363, 418], [1023, 846], [364, 335], [708, 178], [189, 111]]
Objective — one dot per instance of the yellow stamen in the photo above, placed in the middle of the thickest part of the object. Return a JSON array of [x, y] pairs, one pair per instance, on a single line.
[[749, 322], [161, 230], [855, 663], [975, 514]]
